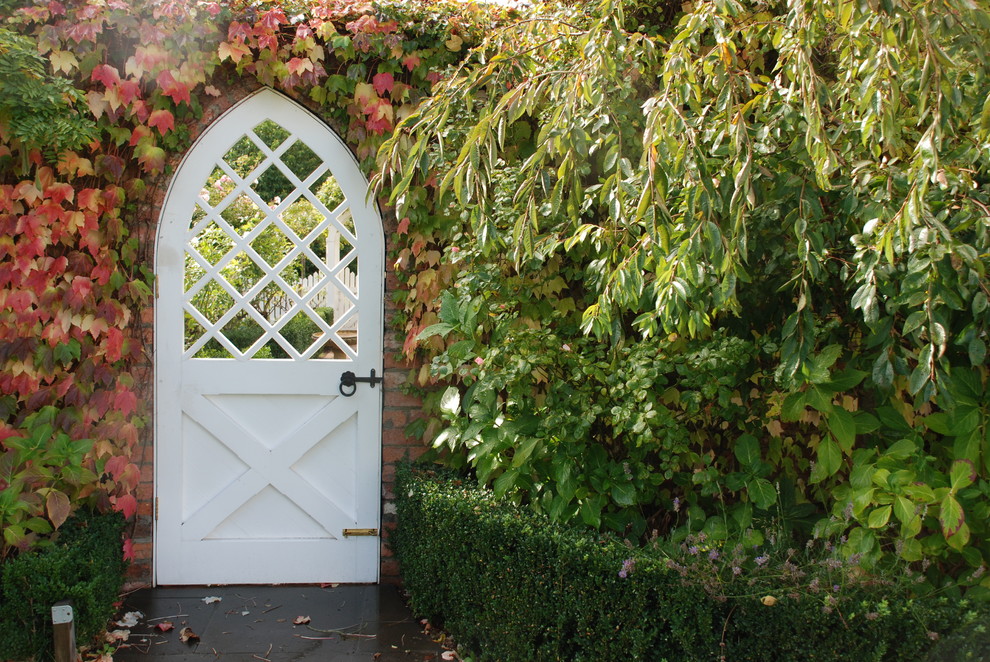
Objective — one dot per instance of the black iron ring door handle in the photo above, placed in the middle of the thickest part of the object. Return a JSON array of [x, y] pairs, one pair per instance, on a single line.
[[349, 382]]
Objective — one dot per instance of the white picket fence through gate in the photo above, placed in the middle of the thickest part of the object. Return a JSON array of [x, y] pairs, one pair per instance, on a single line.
[[329, 297]]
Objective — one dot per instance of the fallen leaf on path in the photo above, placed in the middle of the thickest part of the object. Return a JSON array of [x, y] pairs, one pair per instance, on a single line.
[[301, 620], [118, 635], [130, 619], [164, 626], [448, 655], [186, 635], [211, 599]]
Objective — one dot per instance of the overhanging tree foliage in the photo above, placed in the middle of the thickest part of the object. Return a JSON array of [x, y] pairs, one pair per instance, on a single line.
[[738, 260]]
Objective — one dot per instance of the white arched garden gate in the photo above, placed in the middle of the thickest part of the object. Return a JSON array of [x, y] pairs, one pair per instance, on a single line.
[[270, 275]]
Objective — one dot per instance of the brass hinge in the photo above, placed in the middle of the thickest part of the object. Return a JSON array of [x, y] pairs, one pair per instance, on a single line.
[[360, 532], [156, 509]]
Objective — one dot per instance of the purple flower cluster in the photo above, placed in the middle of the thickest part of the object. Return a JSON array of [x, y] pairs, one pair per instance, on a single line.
[[627, 567]]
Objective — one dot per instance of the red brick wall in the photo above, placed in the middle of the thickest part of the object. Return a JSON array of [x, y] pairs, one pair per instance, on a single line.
[[398, 409]]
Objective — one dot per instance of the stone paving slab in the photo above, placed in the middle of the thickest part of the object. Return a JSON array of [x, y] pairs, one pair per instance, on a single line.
[[255, 623]]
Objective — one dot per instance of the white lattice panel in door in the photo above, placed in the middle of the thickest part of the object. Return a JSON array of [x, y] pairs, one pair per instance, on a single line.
[[261, 463]]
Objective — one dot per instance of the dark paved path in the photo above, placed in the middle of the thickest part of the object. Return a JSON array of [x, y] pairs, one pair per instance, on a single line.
[[255, 623]]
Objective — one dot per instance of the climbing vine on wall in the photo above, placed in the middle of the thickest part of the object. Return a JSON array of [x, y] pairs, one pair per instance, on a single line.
[[120, 87]]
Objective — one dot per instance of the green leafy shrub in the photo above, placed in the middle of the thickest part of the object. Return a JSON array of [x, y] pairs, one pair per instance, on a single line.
[[83, 563], [691, 266], [511, 585]]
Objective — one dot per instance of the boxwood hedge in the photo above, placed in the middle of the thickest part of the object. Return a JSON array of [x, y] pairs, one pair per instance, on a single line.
[[509, 585], [84, 564]]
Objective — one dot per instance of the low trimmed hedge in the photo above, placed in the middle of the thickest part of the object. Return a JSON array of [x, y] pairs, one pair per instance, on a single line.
[[84, 564], [511, 586]]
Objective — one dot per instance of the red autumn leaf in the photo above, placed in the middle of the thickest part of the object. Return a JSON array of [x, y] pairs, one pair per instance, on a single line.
[[125, 504], [113, 196], [72, 163], [130, 477], [128, 91], [151, 158], [81, 286], [89, 198], [79, 291], [403, 225], [6, 432], [383, 83], [273, 18], [162, 120], [108, 164], [37, 280], [17, 300], [303, 31], [234, 50], [364, 96], [164, 626], [411, 61], [115, 466], [298, 65], [269, 41], [60, 191], [237, 30], [139, 109], [172, 88], [27, 192], [129, 552], [114, 345], [380, 116], [105, 74], [125, 402]]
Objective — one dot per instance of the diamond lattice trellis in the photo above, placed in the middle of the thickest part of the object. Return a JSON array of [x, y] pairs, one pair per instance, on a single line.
[[271, 256]]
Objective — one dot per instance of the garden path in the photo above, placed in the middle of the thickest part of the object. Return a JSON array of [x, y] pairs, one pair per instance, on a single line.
[[252, 623]]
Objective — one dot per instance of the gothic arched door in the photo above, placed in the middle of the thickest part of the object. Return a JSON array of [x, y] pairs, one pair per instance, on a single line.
[[270, 288]]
